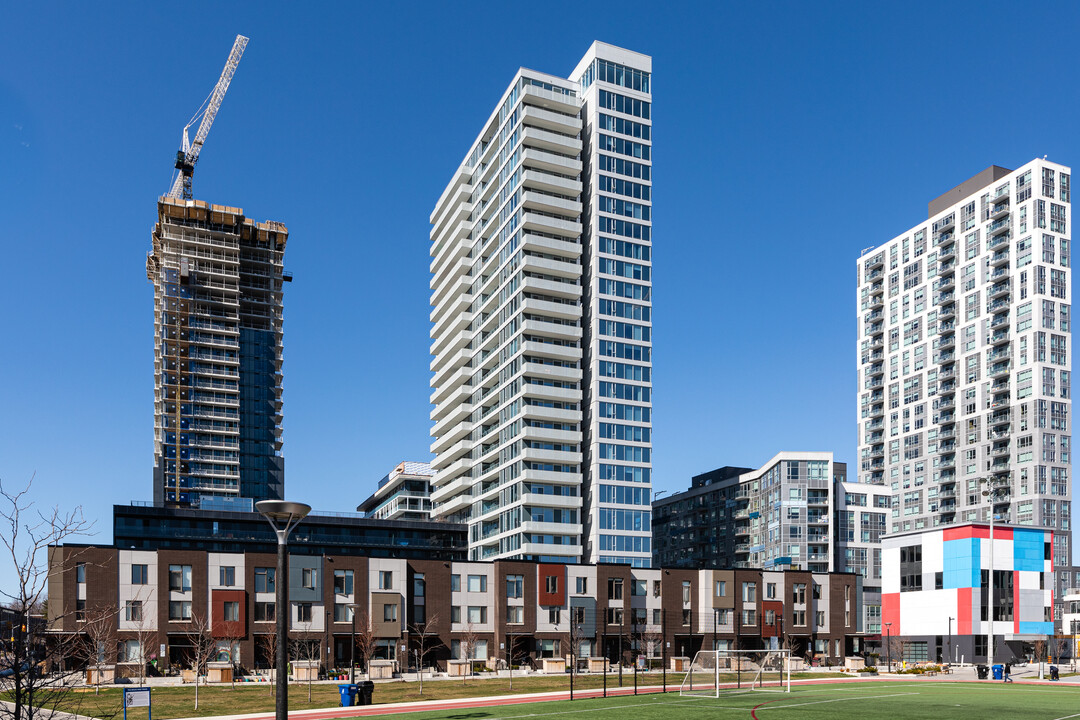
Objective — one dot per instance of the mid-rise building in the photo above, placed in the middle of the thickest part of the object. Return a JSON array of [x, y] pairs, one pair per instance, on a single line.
[[779, 516], [862, 514], [541, 322], [217, 279], [404, 494], [963, 353], [937, 595]]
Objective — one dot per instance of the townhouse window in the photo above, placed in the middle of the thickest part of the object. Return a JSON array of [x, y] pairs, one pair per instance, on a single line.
[[614, 588], [686, 591], [749, 592], [180, 578], [138, 575], [80, 610], [419, 585], [477, 583], [817, 591], [721, 588], [231, 612], [582, 585], [133, 611], [264, 579], [821, 618], [515, 614], [770, 617], [656, 588], [419, 613], [80, 572], [455, 613], [455, 583], [798, 593], [264, 612], [686, 616], [770, 591], [798, 617], [389, 612], [308, 578], [577, 615], [749, 618], [342, 612], [639, 588], [179, 610], [614, 616], [303, 612], [515, 586], [553, 616], [551, 583], [343, 582], [656, 619], [227, 576], [477, 614]]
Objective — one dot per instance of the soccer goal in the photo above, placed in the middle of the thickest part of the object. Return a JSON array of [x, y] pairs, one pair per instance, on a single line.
[[713, 672]]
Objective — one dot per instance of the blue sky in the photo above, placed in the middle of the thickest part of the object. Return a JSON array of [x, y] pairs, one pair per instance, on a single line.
[[788, 137]]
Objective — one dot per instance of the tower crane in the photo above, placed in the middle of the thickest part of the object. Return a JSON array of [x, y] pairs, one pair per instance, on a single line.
[[188, 154]]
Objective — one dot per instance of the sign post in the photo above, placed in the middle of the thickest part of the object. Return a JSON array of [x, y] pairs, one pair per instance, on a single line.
[[138, 697]]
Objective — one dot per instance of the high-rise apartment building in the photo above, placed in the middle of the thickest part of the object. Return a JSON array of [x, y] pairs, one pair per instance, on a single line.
[[541, 291], [217, 279], [963, 352]]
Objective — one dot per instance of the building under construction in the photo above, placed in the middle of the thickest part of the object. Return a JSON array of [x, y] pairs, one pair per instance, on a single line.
[[217, 279]]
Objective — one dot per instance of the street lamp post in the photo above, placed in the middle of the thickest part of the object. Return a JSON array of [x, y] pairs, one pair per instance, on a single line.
[[948, 655], [993, 491], [283, 517], [888, 644], [352, 643]]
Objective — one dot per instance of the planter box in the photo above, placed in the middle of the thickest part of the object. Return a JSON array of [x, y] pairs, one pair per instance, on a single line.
[[100, 675], [305, 670], [680, 664], [459, 668], [598, 664], [219, 672], [553, 666], [187, 676], [854, 663], [381, 670]]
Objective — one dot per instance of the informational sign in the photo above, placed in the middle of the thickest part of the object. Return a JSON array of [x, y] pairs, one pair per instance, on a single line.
[[137, 697]]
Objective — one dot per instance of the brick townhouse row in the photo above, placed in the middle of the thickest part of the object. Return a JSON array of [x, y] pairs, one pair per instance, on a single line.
[[539, 610]]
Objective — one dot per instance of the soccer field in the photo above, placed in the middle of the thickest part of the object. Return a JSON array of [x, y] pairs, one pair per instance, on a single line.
[[896, 700]]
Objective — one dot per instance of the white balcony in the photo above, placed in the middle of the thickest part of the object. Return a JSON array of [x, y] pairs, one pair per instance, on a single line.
[[538, 117]]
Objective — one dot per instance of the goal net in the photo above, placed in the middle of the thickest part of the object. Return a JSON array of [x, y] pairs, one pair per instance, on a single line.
[[713, 672]]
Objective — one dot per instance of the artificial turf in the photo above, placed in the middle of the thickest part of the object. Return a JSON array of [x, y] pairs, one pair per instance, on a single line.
[[891, 700]]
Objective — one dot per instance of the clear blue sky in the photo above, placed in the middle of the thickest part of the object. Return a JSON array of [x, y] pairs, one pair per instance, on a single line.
[[789, 136]]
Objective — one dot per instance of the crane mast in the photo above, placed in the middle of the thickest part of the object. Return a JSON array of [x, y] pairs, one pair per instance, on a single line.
[[189, 151]]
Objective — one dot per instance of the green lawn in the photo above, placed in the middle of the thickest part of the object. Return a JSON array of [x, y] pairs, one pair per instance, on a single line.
[[179, 701], [898, 700]]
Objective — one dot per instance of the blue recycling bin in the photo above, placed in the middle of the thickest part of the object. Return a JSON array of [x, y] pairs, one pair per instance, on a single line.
[[348, 694], [999, 672]]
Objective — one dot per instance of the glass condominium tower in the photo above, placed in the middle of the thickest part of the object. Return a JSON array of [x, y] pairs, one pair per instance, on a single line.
[[217, 279], [964, 342], [541, 291]]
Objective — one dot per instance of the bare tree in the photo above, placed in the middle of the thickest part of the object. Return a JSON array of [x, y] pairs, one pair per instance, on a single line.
[[309, 650], [268, 644], [203, 647], [232, 632], [26, 537], [365, 639], [97, 644], [424, 633], [469, 638]]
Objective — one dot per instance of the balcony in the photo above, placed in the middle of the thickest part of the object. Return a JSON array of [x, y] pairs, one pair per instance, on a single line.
[[1000, 369], [1000, 417], [999, 289], [877, 300], [946, 404], [1002, 319], [946, 357], [875, 329], [996, 228], [947, 252], [997, 241], [875, 274], [998, 354], [998, 304], [945, 223], [946, 418], [1000, 257], [999, 273], [947, 341], [946, 283], [948, 266], [1000, 336], [875, 425], [944, 297], [877, 369], [947, 311], [1000, 210], [1000, 449]]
